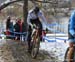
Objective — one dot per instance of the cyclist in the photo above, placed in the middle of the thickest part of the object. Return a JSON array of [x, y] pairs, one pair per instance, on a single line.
[[71, 37], [35, 16]]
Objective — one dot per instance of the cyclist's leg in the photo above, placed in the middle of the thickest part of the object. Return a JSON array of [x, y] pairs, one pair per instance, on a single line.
[[29, 38], [40, 34], [71, 49], [40, 30]]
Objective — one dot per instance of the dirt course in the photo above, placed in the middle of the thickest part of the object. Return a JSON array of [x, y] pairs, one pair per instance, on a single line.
[[15, 51]]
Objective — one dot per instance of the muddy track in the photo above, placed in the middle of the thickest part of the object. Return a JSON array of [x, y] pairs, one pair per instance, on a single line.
[[15, 51]]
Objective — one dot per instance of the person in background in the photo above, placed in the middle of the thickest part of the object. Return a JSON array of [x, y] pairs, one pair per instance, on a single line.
[[23, 30], [9, 28], [18, 28]]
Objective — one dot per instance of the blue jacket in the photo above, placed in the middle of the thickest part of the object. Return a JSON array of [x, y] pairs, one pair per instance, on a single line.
[[11, 27], [72, 24]]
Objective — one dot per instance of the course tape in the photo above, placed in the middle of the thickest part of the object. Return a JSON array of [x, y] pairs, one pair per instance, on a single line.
[[14, 34], [49, 40], [55, 24], [44, 37], [54, 39], [21, 33], [24, 33]]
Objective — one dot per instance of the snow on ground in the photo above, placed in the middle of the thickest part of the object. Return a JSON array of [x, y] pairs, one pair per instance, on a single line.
[[56, 45]]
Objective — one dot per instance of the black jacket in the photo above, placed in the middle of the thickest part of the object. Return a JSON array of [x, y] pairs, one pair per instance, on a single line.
[[17, 27]]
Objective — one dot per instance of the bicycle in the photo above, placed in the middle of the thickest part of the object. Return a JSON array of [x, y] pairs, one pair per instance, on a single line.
[[35, 42], [72, 57]]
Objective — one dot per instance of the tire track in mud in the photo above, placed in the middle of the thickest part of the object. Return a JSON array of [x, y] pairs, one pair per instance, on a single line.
[[12, 51]]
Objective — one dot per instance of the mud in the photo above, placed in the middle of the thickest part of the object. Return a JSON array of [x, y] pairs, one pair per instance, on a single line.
[[15, 51]]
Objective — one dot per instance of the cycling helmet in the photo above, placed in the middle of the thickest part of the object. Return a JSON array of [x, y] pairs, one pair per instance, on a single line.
[[36, 9]]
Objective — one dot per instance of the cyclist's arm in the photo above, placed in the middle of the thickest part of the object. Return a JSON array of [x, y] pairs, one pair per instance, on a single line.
[[28, 20], [43, 18], [72, 24]]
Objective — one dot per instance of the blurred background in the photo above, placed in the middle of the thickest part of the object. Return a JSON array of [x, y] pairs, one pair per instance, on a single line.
[[56, 12]]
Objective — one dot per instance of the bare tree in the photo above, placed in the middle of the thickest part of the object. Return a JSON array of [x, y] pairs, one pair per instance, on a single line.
[[25, 11], [7, 4]]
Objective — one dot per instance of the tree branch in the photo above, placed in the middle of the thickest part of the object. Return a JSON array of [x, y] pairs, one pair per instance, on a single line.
[[44, 1], [7, 4]]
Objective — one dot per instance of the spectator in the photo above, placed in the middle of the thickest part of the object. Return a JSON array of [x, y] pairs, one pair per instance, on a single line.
[[18, 28], [9, 28]]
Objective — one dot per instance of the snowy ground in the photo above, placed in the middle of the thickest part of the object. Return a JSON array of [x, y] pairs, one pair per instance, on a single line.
[[56, 45]]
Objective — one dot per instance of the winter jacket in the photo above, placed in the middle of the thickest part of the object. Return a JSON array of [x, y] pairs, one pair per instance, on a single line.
[[71, 26]]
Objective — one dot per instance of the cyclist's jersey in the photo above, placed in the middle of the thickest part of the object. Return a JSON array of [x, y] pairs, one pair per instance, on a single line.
[[71, 26], [33, 16]]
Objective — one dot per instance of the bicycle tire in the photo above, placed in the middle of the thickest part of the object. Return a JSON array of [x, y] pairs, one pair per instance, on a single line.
[[35, 48]]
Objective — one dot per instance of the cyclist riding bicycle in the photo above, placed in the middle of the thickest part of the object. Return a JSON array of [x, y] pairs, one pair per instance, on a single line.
[[35, 16], [71, 37]]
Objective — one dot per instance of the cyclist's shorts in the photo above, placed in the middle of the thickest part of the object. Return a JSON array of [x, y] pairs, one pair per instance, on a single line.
[[71, 40]]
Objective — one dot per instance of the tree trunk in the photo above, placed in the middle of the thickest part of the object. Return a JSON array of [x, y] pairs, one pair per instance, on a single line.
[[25, 12]]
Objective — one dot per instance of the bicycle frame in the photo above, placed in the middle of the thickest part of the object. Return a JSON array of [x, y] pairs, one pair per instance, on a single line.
[[35, 32]]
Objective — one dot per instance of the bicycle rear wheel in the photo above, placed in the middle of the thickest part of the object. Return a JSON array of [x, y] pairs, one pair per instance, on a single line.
[[35, 47]]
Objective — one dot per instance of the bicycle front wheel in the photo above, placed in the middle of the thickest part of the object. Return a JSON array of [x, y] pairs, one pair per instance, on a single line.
[[35, 48]]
